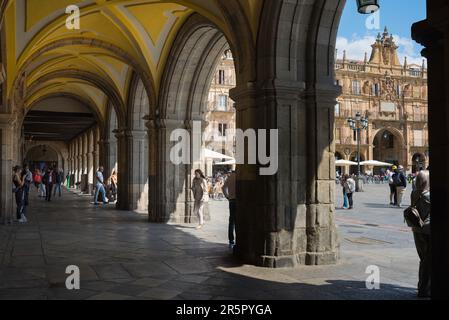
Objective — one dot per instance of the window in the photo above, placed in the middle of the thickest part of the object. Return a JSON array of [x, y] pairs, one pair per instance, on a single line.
[[399, 90], [221, 77], [356, 87], [337, 110], [223, 102], [376, 89], [222, 127], [418, 137]]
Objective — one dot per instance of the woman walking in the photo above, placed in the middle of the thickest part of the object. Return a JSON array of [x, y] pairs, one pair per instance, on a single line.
[[345, 195], [200, 194], [18, 183], [421, 201], [349, 187]]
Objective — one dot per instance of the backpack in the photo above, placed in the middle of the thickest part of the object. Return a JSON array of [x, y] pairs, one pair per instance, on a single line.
[[38, 178], [397, 179], [412, 216]]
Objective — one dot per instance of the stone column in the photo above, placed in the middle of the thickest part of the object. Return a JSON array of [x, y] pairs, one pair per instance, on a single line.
[[124, 170], [6, 165], [103, 157], [169, 184], [96, 149], [77, 164], [288, 218], [138, 169], [90, 161], [433, 33]]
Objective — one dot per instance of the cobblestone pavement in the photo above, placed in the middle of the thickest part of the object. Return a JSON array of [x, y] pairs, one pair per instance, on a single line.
[[121, 256]]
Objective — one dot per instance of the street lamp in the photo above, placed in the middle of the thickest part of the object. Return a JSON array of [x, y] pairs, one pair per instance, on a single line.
[[368, 6], [358, 124]]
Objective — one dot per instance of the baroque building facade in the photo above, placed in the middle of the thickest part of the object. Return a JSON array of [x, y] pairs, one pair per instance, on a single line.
[[393, 96], [221, 114]]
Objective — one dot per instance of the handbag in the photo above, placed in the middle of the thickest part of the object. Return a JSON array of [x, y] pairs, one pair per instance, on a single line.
[[412, 216]]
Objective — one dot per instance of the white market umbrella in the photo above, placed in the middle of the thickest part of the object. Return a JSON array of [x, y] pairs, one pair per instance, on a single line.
[[339, 163], [375, 163], [215, 155], [227, 163]]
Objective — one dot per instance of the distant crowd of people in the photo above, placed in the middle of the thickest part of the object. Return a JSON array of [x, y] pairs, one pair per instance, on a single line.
[[44, 182]]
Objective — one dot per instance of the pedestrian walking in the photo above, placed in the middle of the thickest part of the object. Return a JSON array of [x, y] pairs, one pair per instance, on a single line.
[[113, 180], [100, 187], [59, 176], [392, 185], [229, 193], [401, 184], [42, 189], [27, 178], [18, 194], [49, 180], [200, 195], [345, 195], [350, 187]]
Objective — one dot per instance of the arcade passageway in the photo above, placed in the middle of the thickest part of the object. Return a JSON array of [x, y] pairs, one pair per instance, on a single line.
[[121, 256], [111, 91]]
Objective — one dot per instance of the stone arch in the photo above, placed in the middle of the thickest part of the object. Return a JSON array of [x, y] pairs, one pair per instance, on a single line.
[[87, 102], [294, 92], [138, 146], [401, 151], [115, 51], [58, 148], [182, 105], [111, 92]]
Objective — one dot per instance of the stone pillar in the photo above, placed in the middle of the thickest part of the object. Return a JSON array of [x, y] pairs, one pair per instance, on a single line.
[[287, 219], [124, 170], [169, 184], [90, 161], [433, 33], [138, 171], [77, 164], [96, 149], [6, 164], [103, 157]]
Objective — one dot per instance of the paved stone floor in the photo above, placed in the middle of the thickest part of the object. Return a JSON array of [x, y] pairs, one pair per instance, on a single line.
[[121, 256]]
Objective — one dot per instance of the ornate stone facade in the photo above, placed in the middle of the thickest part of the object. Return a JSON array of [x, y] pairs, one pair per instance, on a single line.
[[394, 98], [220, 117]]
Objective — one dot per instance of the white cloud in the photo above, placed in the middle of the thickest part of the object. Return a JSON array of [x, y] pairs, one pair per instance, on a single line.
[[357, 46]]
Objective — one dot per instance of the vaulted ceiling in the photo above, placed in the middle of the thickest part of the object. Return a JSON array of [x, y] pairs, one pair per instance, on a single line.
[[96, 62]]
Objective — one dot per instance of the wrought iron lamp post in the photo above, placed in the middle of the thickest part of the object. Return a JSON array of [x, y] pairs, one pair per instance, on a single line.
[[358, 124]]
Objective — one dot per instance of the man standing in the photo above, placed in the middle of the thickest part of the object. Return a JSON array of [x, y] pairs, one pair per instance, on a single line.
[[229, 192], [58, 186], [100, 187], [350, 187], [391, 183], [50, 179], [401, 184], [27, 178]]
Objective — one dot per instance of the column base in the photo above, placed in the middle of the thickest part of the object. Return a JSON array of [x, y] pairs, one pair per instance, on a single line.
[[182, 214], [300, 259]]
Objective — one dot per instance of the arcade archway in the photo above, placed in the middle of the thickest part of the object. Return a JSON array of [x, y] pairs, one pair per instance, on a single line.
[[389, 147]]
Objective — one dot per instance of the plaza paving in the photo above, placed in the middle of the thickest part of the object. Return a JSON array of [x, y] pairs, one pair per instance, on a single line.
[[121, 256]]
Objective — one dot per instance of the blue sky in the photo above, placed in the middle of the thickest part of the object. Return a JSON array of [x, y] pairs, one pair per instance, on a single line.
[[355, 35]]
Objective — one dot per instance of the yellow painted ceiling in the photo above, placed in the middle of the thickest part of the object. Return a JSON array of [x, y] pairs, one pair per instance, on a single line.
[[142, 30]]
